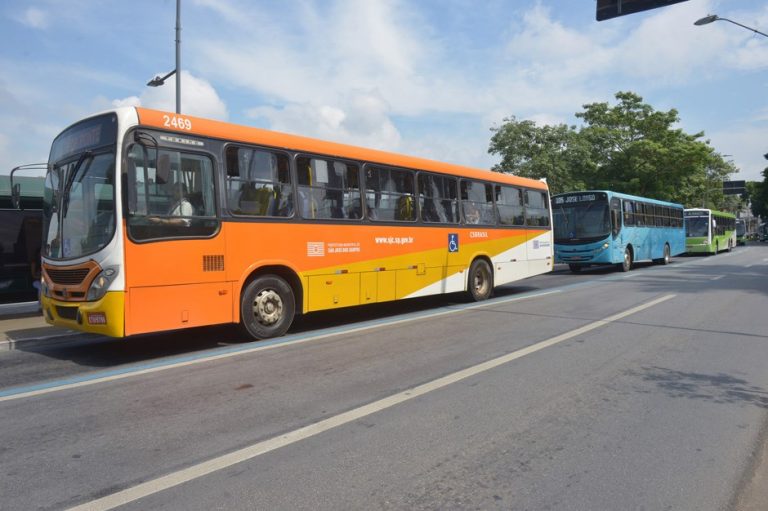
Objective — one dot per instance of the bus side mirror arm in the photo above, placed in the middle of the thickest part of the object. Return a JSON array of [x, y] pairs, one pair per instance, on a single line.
[[16, 187], [16, 196]]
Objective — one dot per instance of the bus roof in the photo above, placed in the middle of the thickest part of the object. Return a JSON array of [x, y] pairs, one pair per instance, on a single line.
[[712, 211], [624, 196], [245, 134]]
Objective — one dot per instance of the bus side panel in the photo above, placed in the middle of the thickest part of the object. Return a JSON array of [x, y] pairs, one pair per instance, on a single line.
[[158, 308], [173, 284], [343, 265], [676, 239], [539, 251]]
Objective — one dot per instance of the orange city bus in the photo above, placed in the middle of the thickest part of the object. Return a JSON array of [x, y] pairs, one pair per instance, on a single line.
[[155, 221]]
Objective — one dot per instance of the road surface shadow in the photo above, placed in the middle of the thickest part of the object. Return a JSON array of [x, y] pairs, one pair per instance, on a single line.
[[715, 388]]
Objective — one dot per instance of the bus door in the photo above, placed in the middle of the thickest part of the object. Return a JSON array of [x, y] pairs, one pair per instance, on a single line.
[[615, 208], [174, 252]]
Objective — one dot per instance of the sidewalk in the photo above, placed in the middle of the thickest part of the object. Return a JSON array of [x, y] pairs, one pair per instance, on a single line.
[[20, 323]]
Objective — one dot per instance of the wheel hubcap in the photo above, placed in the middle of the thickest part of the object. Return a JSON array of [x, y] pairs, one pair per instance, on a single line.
[[481, 283], [268, 307]]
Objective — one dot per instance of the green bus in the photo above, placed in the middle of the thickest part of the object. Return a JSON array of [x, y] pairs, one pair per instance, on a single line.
[[708, 231], [741, 231]]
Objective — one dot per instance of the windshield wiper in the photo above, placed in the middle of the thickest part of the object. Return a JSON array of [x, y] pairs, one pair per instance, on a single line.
[[71, 180]]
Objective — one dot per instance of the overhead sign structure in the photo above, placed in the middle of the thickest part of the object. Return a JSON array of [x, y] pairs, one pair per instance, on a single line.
[[734, 187], [607, 9]]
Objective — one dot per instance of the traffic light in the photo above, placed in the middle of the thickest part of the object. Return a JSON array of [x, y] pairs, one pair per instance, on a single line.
[[607, 9]]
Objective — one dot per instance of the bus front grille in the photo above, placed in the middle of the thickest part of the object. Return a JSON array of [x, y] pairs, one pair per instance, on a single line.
[[68, 277]]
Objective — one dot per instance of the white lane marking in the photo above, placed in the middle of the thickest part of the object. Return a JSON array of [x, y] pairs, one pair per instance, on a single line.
[[311, 338], [196, 471], [718, 277], [749, 266]]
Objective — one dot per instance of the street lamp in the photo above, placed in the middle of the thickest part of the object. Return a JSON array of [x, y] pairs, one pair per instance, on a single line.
[[706, 20], [157, 80]]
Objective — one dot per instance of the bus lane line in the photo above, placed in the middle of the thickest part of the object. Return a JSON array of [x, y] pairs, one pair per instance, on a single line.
[[208, 467], [233, 351]]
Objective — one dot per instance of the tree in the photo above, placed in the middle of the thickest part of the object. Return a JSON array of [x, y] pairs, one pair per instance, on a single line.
[[629, 147], [758, 196], [551, 152]]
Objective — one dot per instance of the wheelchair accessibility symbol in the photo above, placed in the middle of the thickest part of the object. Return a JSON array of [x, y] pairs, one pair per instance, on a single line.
[[453, 242]]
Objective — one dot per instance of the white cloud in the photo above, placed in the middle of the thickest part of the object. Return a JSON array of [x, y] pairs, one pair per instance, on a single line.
[[198, 97], [361, 119], [747, 144], [34, 18]]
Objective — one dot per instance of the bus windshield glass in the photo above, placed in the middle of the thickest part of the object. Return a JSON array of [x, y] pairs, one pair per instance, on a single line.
[[581, 221], [696, 226], [79, 192], [741, 228]]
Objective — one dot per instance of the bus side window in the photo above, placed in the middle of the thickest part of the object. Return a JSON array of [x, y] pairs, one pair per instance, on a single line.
[[629, 213], [536, 208], [328, 189], [438, 199], [258, 182], [390, 194], [509, 203], [477, 203]]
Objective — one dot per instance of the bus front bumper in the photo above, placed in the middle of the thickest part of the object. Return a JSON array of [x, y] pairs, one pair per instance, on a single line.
[[104, 317], [581, 256]]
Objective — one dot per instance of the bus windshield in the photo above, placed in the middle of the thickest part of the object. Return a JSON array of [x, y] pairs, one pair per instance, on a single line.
[[741, 228], [79, 192], [584, 221], [696, 226]]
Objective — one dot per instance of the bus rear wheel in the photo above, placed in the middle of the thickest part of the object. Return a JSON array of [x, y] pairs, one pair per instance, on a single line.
[[626, 263], [665, 257], [480, 280], [267, 307]]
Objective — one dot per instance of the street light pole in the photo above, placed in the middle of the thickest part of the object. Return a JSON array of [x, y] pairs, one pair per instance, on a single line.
[[178, 56], [706, 20], [157, 80]]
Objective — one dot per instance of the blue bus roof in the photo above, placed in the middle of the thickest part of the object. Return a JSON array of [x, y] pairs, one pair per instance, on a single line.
[[624, 196]]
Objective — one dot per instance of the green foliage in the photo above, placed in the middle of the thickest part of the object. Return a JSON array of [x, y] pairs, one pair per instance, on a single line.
[[629, 147], [758, 196]]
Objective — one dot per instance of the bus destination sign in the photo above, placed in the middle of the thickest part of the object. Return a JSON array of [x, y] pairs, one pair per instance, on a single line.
[[579, 197]]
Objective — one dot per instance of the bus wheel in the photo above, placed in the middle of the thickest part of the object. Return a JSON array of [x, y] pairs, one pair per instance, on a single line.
[[267, 307], [730, 245], [575, 267], [664, 258], [626, 263], [480, 280]]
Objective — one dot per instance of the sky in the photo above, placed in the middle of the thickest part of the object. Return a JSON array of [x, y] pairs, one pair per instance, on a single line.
[[426, 78]]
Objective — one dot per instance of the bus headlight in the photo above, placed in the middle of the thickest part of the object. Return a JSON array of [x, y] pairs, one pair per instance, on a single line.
[[606, 245], [101, 283]]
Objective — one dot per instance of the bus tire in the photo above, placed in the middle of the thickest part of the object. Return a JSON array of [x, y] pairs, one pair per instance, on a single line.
[[575, 268], [730, 245], [626, 263], [480, 280], [267, 307], [665, 257]]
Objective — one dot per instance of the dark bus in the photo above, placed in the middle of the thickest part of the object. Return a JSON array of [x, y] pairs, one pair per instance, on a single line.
[[20, 238]]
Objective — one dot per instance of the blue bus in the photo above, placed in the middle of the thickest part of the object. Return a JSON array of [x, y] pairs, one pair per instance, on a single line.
[[603, 227]]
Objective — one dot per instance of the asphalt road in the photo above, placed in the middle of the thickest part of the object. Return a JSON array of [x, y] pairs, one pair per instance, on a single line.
[[602, 390]]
